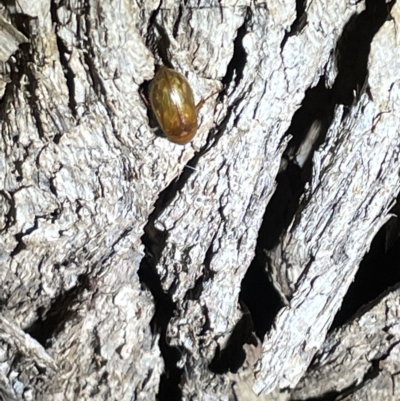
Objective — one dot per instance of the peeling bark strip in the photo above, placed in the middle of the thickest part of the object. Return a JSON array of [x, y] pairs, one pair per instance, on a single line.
[[375, 334], [122, 255], [352, 187], [10, 39]]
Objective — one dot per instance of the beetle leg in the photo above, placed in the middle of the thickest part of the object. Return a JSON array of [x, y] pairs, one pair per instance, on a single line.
[[144, 98], [202, 101]]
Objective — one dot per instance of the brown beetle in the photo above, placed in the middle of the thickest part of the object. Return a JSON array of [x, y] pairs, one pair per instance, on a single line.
[[171, 99]]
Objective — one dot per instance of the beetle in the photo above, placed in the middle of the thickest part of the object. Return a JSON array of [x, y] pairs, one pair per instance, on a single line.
[[171, 99]]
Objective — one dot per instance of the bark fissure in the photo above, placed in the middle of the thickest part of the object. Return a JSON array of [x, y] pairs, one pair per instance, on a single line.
[[309, 127], [177, 22], [164, 309], [18, 237], [261, 298], [63, 51], [89, 54], [232, 356], [195, 292], [239, 57], [378, 271], [93, 69], [353, 49], [157, 38], [307, 103], [52, 320], [283, 206], [155, 241], [9, 217], [25, 66], [299, 23]]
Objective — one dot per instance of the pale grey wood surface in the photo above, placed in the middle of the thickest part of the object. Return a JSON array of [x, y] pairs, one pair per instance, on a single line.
[[362, 358], [81, 171]]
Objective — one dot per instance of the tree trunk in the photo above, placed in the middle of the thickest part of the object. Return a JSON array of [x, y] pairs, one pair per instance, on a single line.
[[124, 256]]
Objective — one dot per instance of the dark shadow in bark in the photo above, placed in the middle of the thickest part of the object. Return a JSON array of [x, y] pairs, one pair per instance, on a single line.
[[330, 396], [353, 50], [260, 297], [208, 274], [51, 321], [155, 240], [317, 106], [317, 109], [299, 23], [378, 271], [371, 374], [238, 61], [232, 356], [257, 291], [64, 54]]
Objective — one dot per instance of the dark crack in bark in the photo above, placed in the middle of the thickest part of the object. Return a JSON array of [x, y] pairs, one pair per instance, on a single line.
[[378, 271], [51, 321], [308, 130], [353, 49], [19, 237], [85, 35], [299, 23], [232, 356], [10, 217], [239, 58], [63, 51], [155, 241]]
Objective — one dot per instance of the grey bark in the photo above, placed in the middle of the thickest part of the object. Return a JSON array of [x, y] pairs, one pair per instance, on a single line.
[[104, 222]]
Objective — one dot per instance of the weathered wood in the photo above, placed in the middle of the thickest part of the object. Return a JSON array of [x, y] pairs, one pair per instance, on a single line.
[[122, 254], [361, 358], [355, 181], [10, 39]]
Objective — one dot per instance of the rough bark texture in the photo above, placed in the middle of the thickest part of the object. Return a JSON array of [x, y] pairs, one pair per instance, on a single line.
[[122, 255], [361, 359]]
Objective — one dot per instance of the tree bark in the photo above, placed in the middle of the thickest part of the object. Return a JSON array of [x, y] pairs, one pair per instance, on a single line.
[[123, 255]]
